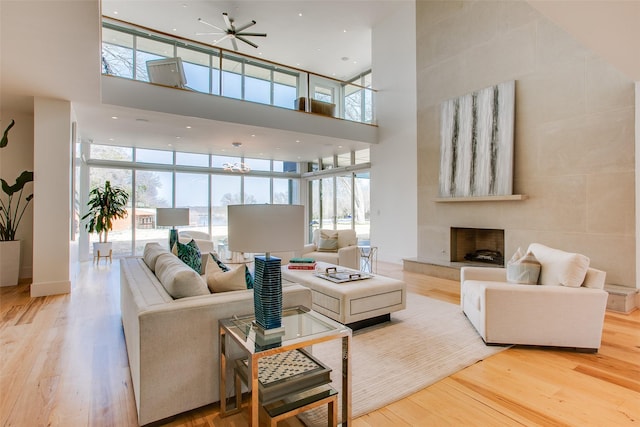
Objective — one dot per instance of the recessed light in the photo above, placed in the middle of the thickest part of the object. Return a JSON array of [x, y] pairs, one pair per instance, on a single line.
[[169, 145], [188, 127], [297, 140], [115, 12], [344, 31], [114, 117], [110, 139], [178, 137], [300, 14]]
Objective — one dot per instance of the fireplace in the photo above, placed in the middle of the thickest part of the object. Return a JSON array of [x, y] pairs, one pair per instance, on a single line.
[[481, 245]]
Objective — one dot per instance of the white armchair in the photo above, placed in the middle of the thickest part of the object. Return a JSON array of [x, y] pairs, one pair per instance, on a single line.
[[345, 254], [542, 315]]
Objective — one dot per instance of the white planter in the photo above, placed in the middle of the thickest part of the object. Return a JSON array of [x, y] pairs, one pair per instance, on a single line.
[[102, 250], [9, 262]]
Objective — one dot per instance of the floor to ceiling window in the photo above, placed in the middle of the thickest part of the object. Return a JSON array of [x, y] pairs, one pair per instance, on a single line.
[[205, 184], [338, 199]]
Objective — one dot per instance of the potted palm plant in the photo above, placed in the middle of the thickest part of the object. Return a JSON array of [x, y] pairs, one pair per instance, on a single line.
[[12, 209], [105, 205]]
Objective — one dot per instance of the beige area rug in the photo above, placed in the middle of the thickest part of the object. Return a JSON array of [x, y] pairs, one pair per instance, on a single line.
[[422, 344]]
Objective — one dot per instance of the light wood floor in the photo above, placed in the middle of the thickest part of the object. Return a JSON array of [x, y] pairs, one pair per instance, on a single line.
[[63, 363]]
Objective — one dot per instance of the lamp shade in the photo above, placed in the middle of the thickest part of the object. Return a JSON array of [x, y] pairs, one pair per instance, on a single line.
[[172, 216], [266, 228]]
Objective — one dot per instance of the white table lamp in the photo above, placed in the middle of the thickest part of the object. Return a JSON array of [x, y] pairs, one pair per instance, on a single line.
[[170, 217]]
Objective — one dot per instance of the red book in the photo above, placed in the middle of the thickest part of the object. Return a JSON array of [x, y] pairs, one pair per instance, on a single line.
[[302, 266]]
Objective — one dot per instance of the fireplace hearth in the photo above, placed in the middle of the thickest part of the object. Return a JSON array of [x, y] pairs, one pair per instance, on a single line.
[[477, 245]]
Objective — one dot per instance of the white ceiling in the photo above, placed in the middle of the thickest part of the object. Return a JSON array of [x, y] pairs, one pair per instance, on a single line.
[[319, 40], [315, 35]]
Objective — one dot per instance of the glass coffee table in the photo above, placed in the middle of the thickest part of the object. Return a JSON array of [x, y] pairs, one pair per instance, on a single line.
[[301, 328]]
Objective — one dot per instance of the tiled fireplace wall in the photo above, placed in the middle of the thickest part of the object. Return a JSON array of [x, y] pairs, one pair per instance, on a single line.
[[574, 134]]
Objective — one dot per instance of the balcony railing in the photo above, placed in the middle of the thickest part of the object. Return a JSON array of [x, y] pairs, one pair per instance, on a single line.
[[126, 48]]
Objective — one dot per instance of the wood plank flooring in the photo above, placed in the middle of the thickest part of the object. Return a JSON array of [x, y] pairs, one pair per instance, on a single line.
[[63, 362]]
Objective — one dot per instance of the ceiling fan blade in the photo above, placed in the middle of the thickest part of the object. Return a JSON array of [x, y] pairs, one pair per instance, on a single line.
[[222, 39], [228, 22], [235, 44], [210, 34], [252, 34], [244, 27], [211, 25], [249, 42]]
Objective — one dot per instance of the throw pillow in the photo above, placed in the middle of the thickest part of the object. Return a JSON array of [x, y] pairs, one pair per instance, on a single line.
[[248, 277], [224, 281], [516, 256], [525, 270], [327, 245], [189, 254], [560, 267], [221, 264], [212, 265]]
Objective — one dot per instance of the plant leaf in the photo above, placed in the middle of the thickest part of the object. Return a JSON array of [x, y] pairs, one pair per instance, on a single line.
[[5, 137]]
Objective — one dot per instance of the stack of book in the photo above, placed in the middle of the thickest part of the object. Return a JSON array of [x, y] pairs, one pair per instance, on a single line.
[[302, 264]]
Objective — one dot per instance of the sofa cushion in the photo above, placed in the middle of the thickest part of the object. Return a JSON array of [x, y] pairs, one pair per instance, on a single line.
[[189, 254], [224, 281], [525, 270], [559, 267], [178, 279], [151, 253]]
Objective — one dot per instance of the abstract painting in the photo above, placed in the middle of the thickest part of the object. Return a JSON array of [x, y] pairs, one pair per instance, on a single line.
[[476, 143]]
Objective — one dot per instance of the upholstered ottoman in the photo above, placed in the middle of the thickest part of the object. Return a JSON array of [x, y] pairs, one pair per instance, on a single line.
[[358, 303]]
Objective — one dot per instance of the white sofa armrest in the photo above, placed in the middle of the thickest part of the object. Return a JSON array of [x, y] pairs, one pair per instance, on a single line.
[[311, 247], [349, 256], [491, 274]]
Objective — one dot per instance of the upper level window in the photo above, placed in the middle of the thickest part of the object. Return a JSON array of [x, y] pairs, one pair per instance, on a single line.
[[110, 152], [154, 156]]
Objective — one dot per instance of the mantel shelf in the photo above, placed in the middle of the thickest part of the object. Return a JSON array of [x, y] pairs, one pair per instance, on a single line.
[[482, 198]]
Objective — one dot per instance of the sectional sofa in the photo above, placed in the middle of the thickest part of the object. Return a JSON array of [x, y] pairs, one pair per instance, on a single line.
[[172, 343]]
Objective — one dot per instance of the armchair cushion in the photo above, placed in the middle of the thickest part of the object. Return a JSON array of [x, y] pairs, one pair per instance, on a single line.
[[560, 267]]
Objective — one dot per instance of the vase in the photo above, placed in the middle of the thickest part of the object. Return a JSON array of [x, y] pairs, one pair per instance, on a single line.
[[9, 262]]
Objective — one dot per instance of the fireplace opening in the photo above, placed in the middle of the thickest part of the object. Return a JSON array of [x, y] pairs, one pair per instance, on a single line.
[[481, 245]]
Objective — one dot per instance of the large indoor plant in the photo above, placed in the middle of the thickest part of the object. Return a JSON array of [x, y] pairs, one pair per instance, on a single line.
[[105, 205], [12, 209]]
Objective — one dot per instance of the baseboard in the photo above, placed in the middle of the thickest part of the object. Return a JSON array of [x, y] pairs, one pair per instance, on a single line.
[[50, 288]]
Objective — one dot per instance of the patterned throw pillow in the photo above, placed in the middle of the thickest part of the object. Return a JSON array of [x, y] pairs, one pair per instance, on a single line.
[[189, 254], [248, 277], [221, 264]]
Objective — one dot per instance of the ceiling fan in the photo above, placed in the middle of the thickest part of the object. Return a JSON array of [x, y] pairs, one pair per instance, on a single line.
[[232, 32]]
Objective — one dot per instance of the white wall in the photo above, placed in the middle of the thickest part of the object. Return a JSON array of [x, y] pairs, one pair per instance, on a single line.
[[394, 158], [51, 213]]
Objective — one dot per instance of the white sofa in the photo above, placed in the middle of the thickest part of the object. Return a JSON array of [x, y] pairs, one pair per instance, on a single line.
[[345, 255], [541, 315], [172, 345]]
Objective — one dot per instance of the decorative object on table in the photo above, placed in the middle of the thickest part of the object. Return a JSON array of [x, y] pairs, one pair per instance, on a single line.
[[170, 217], [287, 373], [106, 204], [341, 276], [266, 229], [302, 264], [10, 216]]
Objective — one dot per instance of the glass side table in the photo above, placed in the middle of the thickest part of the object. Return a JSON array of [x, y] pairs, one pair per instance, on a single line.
[[302, 328], [369, 258]]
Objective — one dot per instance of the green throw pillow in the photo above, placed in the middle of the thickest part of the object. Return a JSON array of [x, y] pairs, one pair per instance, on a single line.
[[189, 254], [248, 277], [221, 264]]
